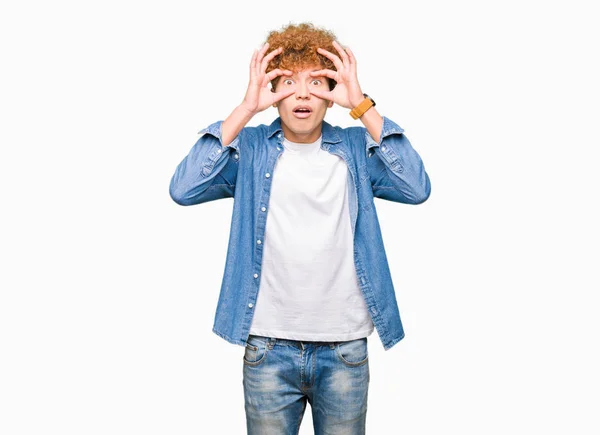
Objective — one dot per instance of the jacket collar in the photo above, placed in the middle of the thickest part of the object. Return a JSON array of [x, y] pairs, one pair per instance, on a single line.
[[328, 132]]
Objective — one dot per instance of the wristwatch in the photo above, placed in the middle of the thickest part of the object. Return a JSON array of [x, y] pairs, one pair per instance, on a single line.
[[364, 105]]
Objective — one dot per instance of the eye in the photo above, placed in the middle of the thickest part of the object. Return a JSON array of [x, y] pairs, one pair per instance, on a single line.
[[316, 82], [288, 82]]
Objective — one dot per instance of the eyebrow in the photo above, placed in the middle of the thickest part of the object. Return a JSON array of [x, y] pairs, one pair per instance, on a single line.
[[309, 76]]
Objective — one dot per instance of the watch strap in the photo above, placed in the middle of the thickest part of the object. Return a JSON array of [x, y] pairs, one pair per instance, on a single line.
[[364, 105]]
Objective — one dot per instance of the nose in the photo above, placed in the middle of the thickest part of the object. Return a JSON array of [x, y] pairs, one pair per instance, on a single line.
[[302, 90]]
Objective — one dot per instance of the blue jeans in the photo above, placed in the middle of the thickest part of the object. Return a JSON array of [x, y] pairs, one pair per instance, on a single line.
[[280, 376]]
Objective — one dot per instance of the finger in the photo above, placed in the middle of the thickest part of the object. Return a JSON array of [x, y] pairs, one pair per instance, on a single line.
[[278, 96], [352, 59], [324, 73], [336, 60], [325, 95], [278, 72], [342, 52], [269, 58], [261, 54], [275, 73], [253, 62]]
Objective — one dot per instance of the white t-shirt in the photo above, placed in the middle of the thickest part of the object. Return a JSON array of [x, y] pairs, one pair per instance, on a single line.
[[309, 289]]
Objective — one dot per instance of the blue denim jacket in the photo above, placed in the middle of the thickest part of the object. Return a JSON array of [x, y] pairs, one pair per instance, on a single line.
[[390, 169]]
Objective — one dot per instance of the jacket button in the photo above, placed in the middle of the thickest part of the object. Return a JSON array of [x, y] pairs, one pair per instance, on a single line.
[[267, 175], [235, 156], [383, 148], [258, 242], [250, 305], [263, 208], [256, 275]]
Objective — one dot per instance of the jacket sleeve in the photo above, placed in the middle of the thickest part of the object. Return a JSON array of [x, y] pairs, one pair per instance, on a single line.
[[208, 172], [396, 170]]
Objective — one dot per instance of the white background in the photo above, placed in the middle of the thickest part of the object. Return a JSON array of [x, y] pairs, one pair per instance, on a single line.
[[108, 288]]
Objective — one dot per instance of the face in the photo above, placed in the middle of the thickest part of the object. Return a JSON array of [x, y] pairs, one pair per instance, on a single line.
[[302, 113]]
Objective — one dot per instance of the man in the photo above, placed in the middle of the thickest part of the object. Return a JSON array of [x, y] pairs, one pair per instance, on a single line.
[[306, 278]]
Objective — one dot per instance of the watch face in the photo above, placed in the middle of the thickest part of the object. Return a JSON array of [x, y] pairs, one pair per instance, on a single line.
[[372, 100]]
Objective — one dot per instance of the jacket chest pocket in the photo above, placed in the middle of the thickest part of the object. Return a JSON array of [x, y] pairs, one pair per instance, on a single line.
[[364, 188], [363, 176]]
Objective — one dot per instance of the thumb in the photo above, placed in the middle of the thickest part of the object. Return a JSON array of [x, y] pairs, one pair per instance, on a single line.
[[323, 95], [278, 96]]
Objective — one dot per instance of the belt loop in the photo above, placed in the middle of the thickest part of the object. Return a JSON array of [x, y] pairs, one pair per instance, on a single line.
[[271, 342]]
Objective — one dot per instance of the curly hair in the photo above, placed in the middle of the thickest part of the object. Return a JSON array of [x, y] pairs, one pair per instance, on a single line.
[[300, 43]]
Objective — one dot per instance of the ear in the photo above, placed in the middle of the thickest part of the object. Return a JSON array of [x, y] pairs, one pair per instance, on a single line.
[[330, 104]]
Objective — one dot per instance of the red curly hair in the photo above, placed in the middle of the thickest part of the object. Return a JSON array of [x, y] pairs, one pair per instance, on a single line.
[[300, 43]]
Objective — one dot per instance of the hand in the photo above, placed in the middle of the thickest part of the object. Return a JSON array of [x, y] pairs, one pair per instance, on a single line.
[[258, 95], [347, 92]]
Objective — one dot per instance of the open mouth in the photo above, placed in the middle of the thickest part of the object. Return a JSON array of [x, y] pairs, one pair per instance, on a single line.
[[302, 111]]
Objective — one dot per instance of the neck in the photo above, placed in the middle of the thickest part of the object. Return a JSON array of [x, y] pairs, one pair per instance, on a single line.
[[296, 137]]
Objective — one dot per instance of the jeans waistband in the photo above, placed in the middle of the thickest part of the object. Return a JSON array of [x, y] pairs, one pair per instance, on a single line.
[[300, 344]]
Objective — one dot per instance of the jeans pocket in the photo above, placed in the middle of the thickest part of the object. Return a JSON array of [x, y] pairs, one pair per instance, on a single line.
[[353, 353], [256, 350]]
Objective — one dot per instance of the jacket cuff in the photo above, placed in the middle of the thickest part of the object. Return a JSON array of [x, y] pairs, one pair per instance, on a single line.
[[215, 130], [215, 155], [389, 127]]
